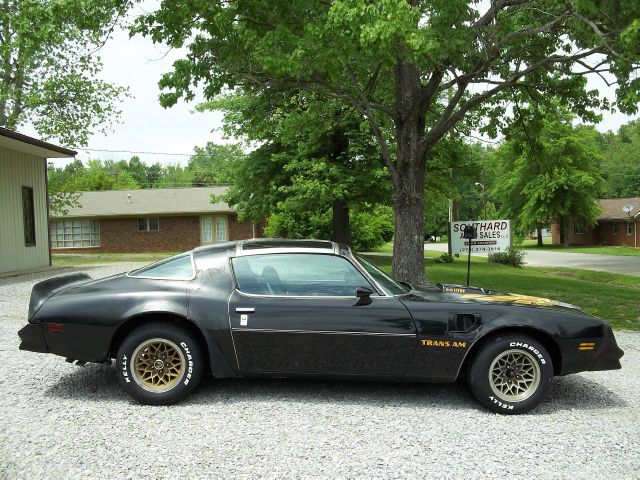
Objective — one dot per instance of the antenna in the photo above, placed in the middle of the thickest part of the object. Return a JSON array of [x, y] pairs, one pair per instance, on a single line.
[[628, 209]]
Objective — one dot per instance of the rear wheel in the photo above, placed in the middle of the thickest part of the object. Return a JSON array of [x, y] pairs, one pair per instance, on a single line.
[[159, 363], [511, 374]]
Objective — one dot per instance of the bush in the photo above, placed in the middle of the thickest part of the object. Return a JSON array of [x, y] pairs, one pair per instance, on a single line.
[[445, 258], [371, 228], [513, 256]]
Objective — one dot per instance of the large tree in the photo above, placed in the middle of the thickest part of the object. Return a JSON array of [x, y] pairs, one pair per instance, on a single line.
[[413, 68], [316, 155], [549, 172], [49, 64]]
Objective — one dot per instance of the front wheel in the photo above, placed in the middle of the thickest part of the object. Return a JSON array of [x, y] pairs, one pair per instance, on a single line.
[[511, 374], [159, 363]]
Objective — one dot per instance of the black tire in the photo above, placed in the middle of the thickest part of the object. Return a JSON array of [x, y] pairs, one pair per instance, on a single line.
[[159, 383], [511, 374]]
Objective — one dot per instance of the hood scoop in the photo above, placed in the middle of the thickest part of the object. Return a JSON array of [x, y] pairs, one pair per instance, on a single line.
[[455, 288]]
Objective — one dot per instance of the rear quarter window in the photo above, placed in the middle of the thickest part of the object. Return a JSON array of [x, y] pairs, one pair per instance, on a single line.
[[177, 268]]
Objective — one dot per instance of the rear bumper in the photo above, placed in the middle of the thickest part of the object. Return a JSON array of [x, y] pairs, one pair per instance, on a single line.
[[32, 338]]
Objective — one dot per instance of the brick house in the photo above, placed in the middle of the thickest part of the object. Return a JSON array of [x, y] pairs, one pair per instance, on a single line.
[[149, 220], [614, 227]]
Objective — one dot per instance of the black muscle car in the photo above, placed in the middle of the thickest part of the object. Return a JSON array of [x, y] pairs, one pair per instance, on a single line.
[[284, 308]]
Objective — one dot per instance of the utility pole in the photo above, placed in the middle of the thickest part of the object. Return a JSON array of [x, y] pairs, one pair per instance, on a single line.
[[484, 198], [453, 210]]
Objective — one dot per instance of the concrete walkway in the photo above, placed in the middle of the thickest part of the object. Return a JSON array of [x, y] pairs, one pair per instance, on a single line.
[[585, 261]]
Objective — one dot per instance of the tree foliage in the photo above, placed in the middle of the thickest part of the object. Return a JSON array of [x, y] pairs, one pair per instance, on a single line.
[[414, 69], [49, 67], [549, 171], [316, 170], [621, 161]]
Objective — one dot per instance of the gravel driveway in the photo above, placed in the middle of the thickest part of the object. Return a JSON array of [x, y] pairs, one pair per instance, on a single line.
[[63, 421]]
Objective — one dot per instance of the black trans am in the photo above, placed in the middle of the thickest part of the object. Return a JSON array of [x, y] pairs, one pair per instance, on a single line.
[[284, 308]]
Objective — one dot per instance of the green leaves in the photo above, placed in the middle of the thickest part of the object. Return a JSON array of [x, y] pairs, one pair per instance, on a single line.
[[48, 67], [551, 171]]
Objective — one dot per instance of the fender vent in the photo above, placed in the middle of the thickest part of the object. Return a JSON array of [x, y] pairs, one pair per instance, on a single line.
[[463, 322]]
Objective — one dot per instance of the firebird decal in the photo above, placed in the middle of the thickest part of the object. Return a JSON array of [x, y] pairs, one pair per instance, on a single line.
[[514, 298]]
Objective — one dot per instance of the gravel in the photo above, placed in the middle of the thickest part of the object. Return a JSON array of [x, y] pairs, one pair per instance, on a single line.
[[63, 421]]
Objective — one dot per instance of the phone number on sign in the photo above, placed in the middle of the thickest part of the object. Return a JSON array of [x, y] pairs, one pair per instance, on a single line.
[[481, 249]]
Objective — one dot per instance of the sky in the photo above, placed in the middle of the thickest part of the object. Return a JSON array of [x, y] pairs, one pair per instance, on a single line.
[[145, 126]]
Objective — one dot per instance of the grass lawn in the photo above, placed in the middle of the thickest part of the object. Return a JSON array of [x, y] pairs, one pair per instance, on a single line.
[[70, 259], [615, 298], [618, 251]]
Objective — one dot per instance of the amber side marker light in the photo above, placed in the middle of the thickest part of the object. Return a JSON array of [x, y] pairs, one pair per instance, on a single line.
[[55, 327], [587, 346]]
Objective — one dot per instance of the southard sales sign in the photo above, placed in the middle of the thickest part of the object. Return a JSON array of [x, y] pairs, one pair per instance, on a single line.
[[493, 236]]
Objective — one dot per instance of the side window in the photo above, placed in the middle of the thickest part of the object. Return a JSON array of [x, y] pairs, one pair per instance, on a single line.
[[29, 217], [177, 268], [298, 274]]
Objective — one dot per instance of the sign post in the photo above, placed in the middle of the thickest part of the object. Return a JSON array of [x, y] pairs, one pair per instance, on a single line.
[[469, 232]]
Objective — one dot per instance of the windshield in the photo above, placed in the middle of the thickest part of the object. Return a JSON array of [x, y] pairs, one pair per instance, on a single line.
[[390, 286]]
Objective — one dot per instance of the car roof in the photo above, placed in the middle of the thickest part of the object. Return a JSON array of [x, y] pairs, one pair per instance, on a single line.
[[284, 245], [259, 246]]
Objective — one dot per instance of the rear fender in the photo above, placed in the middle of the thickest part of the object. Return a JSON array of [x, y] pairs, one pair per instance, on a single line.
[[218, 365]]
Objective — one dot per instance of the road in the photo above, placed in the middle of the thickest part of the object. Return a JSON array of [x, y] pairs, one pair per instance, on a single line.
[[586, 261]]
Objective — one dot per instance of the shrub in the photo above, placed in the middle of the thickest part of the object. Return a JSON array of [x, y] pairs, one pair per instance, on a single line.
[[445, 258], [513, 256]]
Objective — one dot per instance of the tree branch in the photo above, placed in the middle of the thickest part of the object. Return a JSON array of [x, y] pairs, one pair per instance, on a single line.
[[363, 104], [448, 119]]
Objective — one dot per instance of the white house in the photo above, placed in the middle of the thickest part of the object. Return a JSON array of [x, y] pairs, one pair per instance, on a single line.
[[24, 231]]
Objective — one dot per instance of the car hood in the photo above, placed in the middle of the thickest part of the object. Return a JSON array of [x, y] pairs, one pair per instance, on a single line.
[[465, 294]]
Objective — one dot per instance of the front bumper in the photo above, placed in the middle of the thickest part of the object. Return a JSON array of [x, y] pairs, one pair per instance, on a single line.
[[32, 336], [609, 355]]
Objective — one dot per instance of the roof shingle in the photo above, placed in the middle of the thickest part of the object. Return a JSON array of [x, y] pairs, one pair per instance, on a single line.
[[151, 201], [612, 208]]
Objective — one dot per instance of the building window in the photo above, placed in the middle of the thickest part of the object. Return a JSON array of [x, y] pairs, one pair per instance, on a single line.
[[614, 228], [29, 217], [207, 230], [150, 224], [75, 233], [629, 228], [578, 229], [221, 229]]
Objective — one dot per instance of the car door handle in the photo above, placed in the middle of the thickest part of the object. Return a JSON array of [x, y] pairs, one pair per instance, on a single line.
[[245, 310]]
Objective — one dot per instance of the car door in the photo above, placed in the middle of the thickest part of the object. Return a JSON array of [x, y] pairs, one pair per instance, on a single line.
[[298, 313]]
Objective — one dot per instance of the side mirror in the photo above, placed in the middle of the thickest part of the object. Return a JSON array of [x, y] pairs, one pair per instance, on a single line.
[[363, 292], [364, 295]]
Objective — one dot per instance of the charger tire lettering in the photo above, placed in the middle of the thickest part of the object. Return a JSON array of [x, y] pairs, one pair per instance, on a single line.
[[533, 350], [190, 367]]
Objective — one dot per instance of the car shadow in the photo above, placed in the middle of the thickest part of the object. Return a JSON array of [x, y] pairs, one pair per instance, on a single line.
[[100, 383]]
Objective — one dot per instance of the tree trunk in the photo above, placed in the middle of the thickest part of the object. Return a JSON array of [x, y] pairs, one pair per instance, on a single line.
[[341, 230], [565, 230], [409, 176], [408, 248], [539, 231]]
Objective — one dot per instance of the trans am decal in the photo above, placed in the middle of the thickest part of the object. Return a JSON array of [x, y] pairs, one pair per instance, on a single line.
[[443, 343]]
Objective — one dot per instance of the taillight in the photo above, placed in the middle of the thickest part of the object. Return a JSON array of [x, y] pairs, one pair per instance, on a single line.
[[55, 327]]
